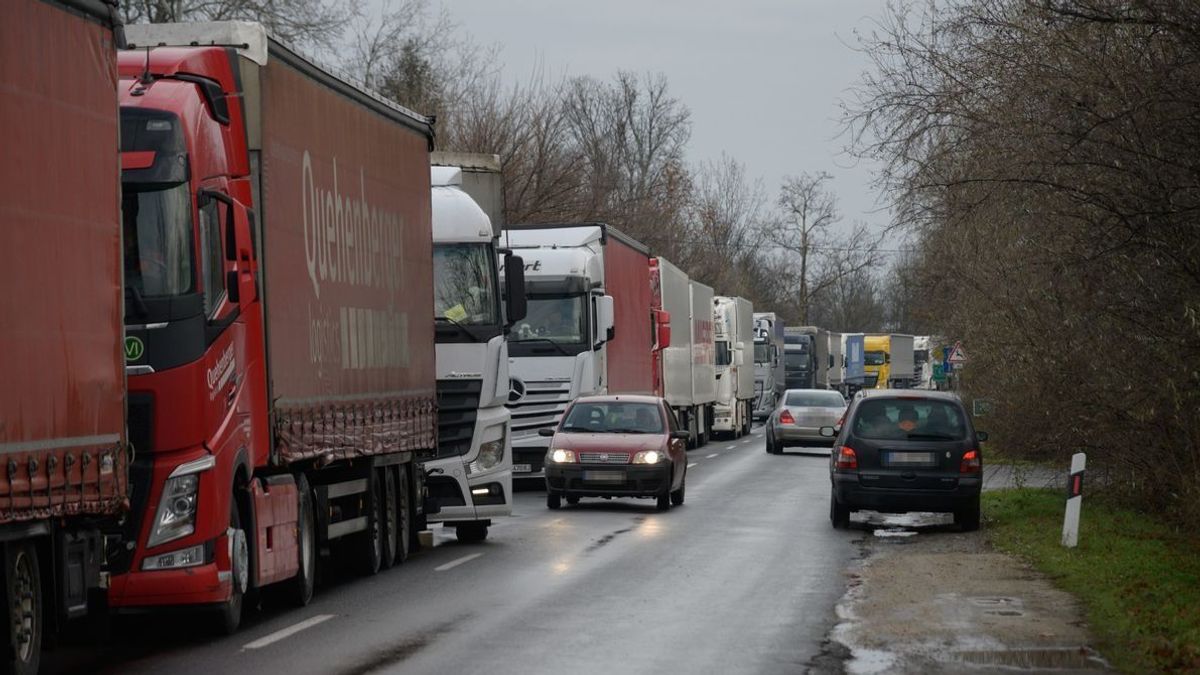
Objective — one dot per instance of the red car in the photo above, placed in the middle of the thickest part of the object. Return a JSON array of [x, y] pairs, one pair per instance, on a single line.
[[616, 446]]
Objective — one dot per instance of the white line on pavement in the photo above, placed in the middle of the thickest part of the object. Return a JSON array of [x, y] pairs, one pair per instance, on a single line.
[[456, 563], [712, 455], [288, 632], [691, 465], [747, 441]]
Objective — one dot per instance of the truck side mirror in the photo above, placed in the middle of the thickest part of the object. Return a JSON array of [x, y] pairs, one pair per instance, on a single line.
[[515, 305], [663, 336], [605, 331]]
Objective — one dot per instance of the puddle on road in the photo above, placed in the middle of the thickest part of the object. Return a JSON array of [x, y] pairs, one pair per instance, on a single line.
[[1062, 658]]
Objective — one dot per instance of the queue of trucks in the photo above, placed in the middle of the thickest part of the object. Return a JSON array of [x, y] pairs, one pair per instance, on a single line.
[[282, 329]]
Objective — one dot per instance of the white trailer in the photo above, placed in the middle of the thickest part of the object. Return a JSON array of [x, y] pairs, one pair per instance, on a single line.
[[672, 293], [704, 369], [836, 378]]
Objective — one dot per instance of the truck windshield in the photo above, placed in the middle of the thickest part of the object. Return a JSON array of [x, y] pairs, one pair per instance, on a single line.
[[158, 239], [464, 281], [722, 353], [794, 360], [874, 358], [921, 356], [560, 318], [762, 352]]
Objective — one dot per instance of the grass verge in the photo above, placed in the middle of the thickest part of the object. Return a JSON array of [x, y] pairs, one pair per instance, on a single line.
[[1138, 579]]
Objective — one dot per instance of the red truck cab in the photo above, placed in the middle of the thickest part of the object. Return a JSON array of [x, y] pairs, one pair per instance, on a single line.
[[193, 322]]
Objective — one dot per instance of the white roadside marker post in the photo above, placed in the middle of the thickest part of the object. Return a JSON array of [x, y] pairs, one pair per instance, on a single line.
[[1070, 535]]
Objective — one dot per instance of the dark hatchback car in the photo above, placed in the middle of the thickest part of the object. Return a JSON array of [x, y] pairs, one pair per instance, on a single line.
[[902, 451], [617, 446]]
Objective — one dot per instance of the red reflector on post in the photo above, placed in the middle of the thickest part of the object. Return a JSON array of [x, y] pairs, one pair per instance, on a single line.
[[846, 458]]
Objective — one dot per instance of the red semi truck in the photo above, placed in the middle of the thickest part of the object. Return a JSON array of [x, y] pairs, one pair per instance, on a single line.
[[278, 284], [63, 454]]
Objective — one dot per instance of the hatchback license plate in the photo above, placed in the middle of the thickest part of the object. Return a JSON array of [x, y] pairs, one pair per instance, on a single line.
[[522, 468], [604, 476], [910, 459]]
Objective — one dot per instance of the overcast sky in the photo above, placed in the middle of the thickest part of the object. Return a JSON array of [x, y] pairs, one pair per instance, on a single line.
[[762, 77]]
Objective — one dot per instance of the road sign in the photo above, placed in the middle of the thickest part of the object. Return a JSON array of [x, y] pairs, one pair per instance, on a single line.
[[957, 354], [939, 373]]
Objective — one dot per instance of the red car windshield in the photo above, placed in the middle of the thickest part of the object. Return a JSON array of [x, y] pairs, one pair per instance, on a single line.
[[614, 417]]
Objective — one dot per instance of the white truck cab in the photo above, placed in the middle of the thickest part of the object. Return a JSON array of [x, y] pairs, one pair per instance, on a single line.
[[471, 478]]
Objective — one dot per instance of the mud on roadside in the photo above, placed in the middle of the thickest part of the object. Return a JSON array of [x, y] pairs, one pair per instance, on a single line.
[[926, 598]]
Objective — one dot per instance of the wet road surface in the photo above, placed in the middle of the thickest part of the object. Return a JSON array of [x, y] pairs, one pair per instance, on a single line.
[[742, 578]]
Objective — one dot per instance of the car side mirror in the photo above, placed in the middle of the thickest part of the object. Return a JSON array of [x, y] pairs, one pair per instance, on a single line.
[[680, 434], [546, 431], [827, 432], [981, 435]]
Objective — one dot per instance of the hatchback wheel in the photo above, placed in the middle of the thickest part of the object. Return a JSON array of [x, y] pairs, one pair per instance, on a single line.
[[968, 519], [839, 514], [677, 495], [553, 501], [572, 500]]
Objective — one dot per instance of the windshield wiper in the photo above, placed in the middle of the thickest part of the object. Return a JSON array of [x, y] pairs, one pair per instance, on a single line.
[[459, 326], [573, 428], [626, 431], [544, 339]]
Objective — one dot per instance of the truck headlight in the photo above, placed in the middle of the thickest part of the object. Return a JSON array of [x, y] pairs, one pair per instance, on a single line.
[[647, 457], [491, 454], [176, 515], [560, 456]]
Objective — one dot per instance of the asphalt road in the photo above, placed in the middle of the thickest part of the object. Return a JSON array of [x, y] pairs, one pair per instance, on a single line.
[[743, 578]]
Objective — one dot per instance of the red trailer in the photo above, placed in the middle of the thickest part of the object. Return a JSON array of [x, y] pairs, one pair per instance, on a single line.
[[286, 391], [62, 406]]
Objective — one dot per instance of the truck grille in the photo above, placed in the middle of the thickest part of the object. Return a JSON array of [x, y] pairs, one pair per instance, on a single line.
[[458, 404], [603, 458], [539, 405], [870, 380]]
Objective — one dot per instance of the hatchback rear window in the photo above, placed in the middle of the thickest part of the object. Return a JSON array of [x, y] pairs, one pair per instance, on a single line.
[[815, 399], [908, 419]]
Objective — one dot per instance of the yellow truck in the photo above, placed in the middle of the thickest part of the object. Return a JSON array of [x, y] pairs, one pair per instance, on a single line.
[[888, 361]]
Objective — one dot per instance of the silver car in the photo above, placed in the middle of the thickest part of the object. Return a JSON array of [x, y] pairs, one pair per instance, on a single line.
[[798, 418]]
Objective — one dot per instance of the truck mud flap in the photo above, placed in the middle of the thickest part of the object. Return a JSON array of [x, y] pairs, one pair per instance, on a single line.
[[79, 558]]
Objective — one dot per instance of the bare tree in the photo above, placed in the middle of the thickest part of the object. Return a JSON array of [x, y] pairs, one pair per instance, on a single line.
[[806, 231]]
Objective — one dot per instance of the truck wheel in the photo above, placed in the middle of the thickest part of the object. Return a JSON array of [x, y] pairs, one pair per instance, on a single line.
[[369, 543], [839, 514], [388, 509], [23, 593], [553, 501], [306, 544], [405, 534], [471, 533], [229, 616]]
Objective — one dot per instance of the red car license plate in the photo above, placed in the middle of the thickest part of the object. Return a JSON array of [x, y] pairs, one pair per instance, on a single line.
[[604, 476]]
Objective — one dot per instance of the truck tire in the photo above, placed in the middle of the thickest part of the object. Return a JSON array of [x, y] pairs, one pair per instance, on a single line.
[[368, 544], [23, 597], [304, 582], [405, 534], [389, 511], [229, 616], [471, 533]]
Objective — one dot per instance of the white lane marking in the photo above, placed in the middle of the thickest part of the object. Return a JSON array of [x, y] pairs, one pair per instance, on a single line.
[[747, 441], [691, 465], [712, 455], [456, 563], [288, 632]]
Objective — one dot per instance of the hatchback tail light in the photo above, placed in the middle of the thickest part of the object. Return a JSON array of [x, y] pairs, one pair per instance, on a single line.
[[785, 417], [846, 459], [971, 462]]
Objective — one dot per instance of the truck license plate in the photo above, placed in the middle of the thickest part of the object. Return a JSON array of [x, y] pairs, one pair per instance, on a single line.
[[522, 468], [604, 476]]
